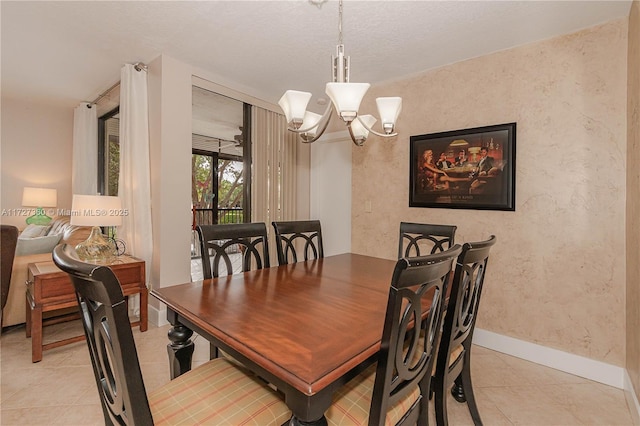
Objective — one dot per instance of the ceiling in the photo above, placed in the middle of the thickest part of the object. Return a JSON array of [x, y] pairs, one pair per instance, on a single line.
[[61, 53]]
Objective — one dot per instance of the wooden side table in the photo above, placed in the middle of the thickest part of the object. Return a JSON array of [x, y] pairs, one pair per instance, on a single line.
[[50, 289]]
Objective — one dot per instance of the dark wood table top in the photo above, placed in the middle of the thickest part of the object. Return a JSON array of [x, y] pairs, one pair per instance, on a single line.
[[306, 323]]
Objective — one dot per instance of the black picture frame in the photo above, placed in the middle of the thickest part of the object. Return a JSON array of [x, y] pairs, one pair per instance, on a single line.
[[471, 183]]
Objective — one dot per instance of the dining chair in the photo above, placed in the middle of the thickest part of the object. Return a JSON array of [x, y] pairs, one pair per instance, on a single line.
[[8, 243], [217, 392], [395, 390], [290, 235], [454, 354], [221, 242], [248, 240], [418, 239]]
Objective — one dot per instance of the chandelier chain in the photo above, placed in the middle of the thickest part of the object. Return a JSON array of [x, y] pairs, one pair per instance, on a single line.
[[340, 22]]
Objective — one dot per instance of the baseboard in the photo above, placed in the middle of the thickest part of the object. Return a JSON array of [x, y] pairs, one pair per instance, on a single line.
[[158, 317], [632, 399], [570, 363]]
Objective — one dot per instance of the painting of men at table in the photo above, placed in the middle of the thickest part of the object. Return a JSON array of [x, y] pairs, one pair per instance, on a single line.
[[471, 168]]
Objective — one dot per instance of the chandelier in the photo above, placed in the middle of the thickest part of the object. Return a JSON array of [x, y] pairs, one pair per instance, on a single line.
[[345, 98]]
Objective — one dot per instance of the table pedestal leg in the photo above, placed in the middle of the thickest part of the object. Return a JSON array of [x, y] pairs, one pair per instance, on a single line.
[[320, 422], [180, 350], [309, 411]]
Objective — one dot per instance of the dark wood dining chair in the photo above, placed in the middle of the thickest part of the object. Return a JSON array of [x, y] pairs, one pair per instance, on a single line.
[[454, 355], [419, 239], [8, 243], [396, 390], [217, 392], [295, 233], [219, 243], [248, 240]]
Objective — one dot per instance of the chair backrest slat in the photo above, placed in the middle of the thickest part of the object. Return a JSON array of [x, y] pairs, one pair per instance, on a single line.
[[248, 240], [419, 239], [288, 234], [466, 291], [113, 352], [457, 331], [411, 331]]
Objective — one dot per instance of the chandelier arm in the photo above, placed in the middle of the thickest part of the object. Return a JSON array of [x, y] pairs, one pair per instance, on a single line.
[[383, 135], [319, 133], [353, 137], [325, 117]]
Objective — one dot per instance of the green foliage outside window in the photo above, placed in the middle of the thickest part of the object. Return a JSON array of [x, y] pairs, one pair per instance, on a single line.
[[113, 165], [230, 187], [230, 182]]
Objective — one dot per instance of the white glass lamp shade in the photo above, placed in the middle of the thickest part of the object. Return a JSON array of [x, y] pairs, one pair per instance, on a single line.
[[96, 210], [346, 98], [389, 110], [310, 122], [360, 132], [39, 197], [294, 104]]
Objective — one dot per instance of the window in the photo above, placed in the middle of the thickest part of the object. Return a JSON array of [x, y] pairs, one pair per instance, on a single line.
[[217, 188], [109, 152], [220, 163], [220, 159]]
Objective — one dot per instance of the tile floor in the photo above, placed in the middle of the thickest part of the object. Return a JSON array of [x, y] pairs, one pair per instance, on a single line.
[[60, 390]]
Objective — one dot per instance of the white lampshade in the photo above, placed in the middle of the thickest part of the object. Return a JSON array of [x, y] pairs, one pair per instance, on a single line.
[[346, 98], [359, 132], [39, 197], [96, 210], [294, 104], [389, 109], [311, 120]]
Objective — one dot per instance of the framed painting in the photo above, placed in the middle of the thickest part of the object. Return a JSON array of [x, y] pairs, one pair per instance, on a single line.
[[464, 169]]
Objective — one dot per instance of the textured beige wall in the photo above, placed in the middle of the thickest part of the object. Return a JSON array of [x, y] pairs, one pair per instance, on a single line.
[[633, 200], [37, 142], [557, 273]]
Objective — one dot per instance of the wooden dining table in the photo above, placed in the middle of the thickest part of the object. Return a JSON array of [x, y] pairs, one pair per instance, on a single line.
[[307, 327]]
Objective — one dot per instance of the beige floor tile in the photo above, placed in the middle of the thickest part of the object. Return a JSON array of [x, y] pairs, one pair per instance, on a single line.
[[61, 389], [491, 370], [155, 374], [592, 403], [538, 374], [481, 350], [458, 413], [530, 405], [89, 415], [32, 416], [54, 387], [490, 413]]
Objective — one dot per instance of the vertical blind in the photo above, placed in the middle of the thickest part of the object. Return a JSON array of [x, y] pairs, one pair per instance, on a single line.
[[273, 186]]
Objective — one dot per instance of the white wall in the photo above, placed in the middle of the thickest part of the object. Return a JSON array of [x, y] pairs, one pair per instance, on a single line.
[[170, 143], [36, 151], [331, 190]]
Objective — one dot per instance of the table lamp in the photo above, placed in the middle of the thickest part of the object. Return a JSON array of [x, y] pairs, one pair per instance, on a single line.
[[39, 198], [96, 211]]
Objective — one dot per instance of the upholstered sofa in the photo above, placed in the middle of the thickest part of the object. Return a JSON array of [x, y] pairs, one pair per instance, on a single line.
[[35, 244]]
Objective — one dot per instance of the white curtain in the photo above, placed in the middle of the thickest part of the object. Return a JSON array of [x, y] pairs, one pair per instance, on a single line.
[[134, 187], [274, 170], [84, 175]]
